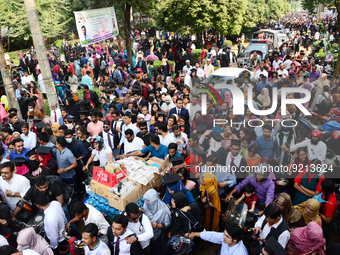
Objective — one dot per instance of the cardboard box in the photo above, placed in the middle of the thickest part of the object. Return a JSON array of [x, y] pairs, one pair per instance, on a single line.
[[155, 160], [100, 189], [120, 202], [155, 181], [113, 168], [106, 178]]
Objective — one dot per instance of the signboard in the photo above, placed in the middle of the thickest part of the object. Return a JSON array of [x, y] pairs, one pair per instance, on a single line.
[[96, 25]]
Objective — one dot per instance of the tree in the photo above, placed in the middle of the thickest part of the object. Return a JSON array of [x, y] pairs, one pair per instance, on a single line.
[[255, 13], [274, 9], [312, 6], [54, 16], [189, 17]]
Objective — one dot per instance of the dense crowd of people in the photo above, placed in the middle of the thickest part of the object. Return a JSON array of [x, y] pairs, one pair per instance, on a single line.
[[147, 111]]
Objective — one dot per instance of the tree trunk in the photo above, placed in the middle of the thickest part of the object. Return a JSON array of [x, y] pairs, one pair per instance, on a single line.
[[337, 68], [39, 44], [127, 27], [12, 99]]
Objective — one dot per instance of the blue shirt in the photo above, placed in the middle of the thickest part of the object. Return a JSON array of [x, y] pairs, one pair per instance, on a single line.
[[124, 89], [81, 150], [266, 147], [65, 159], [83, 61], [14, 154], [261, 85], [216, 237], [175, 156], [161, 153]]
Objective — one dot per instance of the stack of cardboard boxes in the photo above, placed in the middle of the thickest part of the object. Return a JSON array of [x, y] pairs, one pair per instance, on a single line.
[[126, 180]]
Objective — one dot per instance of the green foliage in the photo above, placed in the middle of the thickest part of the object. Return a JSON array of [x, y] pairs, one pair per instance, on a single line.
[[315, 44], [196, 54], [286, 7], [228, 43], [158, 63], [189, 17], [274, 8], [321, 56], [255, 13], [54, 17]]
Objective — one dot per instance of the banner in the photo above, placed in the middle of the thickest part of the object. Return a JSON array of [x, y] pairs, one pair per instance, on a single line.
[[96, 25]]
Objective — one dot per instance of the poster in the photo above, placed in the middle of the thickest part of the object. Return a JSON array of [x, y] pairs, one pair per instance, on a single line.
[[96, 25]]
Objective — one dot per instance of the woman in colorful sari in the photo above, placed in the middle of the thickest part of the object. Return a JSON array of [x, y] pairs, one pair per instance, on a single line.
[[310, 211], [59, 86], [39, 103], [212, 203]]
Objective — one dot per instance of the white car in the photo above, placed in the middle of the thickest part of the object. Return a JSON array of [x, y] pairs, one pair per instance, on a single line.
[[223, 74]]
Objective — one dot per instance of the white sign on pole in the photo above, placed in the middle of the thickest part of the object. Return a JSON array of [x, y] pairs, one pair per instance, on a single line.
[[96, 25]]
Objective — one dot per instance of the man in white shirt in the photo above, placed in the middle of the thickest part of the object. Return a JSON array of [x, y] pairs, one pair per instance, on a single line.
[[316, 148], [261, 71], [272, 219], [316, 36], [210, 68], [26, 79], [199, 70], [127, 125], [164, 136], [41, 83], [28, 136], [90, 61], [54, 220], [92, 244], [282, 73], [180, 137], [139, 224], [132, 142], [276, 62], [117, 235], [187, 67], [231, 239], [89, 214], [103, 153], [13, 186], [55, 113], [287, 63]]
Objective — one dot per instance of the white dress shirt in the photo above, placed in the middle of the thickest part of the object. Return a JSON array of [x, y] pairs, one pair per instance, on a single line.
[[3, 241], [282, 239], [97, 218], [54, 223], [31, 138], [124, 247], [108, 136], [25, 80], [100, 249], [144, 233], [18, 184], [41, 84], [167, 140], [259, 72], [133, 127], [29, 252], [215, 237], [182, 145], [53, 114], [135, 145]]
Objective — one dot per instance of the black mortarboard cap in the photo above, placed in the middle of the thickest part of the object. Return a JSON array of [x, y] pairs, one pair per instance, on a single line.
[[199, 152], [171, 179], [201, 129], [19, 161], [177, 161], [274, 247], [142, 123], [30, 153], [235, 142], [107, 90], [44, 150], [217, 136], [40, 124], [160, 113], [133, 75], [37, 120]]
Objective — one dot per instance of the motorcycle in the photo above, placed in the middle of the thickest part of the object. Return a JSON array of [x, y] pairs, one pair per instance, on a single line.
[[75, 247], [37, 222], [305, 127]]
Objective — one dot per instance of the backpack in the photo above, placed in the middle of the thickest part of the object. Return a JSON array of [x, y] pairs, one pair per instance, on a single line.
[[196, 211]]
